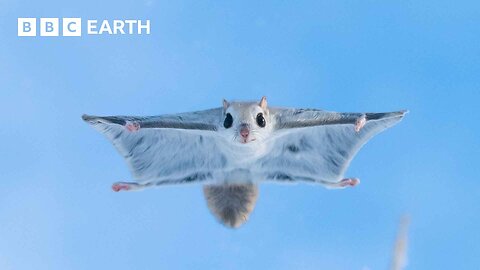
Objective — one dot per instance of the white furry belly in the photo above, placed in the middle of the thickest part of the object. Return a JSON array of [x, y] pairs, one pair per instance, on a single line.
[[241, 159]]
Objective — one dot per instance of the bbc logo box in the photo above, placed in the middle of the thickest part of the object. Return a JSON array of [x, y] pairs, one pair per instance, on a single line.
[[49, 27], [27, 27]]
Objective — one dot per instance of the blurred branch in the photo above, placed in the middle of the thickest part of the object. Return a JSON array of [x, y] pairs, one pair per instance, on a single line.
[[399, 260]]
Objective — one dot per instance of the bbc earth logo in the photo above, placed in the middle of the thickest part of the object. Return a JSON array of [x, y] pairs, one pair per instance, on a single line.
[[72, 27]]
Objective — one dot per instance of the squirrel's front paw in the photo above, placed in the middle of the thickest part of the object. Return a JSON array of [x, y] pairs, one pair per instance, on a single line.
[[132, 126], [360, 123]]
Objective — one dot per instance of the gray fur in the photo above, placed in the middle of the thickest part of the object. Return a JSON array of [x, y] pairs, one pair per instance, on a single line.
[[295, 145], [231, 204]]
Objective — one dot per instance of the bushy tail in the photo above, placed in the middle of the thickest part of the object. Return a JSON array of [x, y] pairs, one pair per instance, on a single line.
[[231, 204]]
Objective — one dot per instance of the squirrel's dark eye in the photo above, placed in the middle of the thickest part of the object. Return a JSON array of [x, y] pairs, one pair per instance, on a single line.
[[228, 121], [261, 120]]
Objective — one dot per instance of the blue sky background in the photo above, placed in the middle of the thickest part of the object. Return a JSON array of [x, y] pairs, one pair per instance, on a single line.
[[56, 207]]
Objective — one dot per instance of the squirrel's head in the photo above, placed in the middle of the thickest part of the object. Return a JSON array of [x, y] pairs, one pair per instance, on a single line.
[[245, 122]]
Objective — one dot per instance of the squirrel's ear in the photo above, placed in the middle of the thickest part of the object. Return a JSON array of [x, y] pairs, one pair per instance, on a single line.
[[225, 104], [263, 103]]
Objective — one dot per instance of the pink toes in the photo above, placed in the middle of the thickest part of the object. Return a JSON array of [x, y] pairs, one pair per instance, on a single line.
[[349, 182], [360, 123], [119, 186], [132, 126]]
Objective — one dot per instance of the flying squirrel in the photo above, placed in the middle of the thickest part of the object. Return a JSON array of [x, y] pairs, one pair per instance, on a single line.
[[233, 148]]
